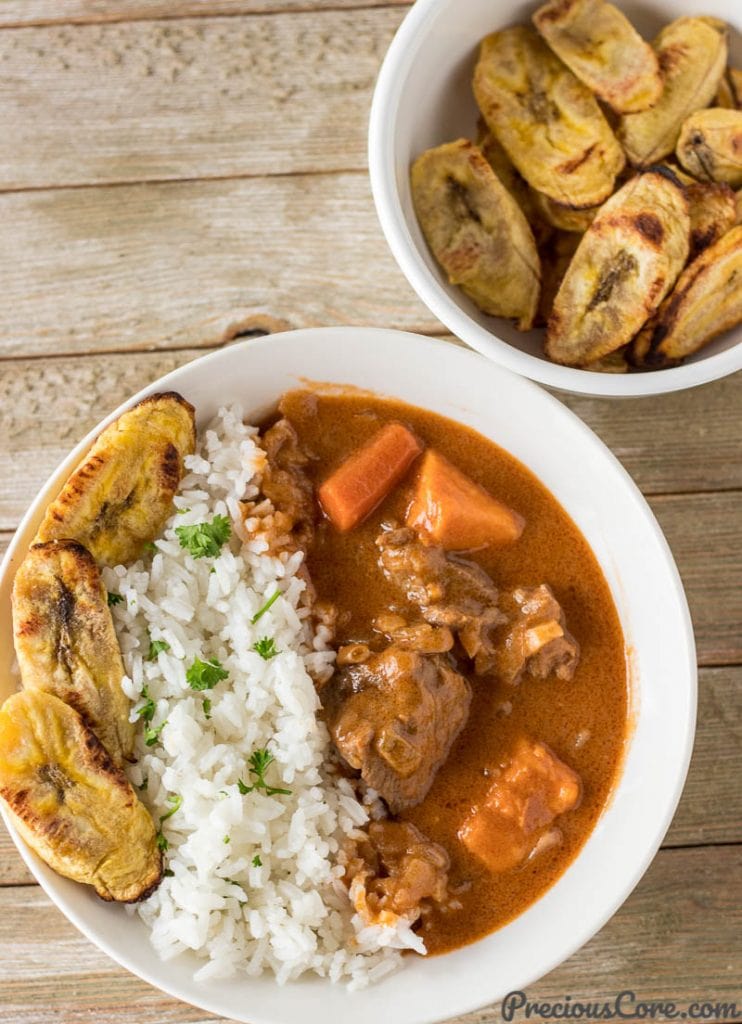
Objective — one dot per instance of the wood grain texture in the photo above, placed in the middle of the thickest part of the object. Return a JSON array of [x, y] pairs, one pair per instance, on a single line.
[[142, 267], [199, 98], [710, 810], [80, 12], [684, 911]]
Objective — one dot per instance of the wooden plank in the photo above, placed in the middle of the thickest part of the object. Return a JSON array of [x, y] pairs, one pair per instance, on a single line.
[[143, 267], [201, 98], [710, 810], [684, 911], [80, 12]]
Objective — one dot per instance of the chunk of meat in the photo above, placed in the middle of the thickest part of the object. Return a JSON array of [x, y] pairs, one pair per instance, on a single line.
[[448, 591], [368, 475], [532, 790], [394, 716], [286, 483], [450, 509], [536, 639], [417, 636], [396, 873]]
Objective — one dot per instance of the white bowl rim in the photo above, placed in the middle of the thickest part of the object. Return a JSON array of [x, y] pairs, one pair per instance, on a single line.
[[387, 94], [207, 998]]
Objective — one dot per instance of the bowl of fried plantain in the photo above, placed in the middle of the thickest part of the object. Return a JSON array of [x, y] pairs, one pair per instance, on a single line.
[[569, 102]]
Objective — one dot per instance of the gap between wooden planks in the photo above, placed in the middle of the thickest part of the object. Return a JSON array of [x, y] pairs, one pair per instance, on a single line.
[[676, 937]]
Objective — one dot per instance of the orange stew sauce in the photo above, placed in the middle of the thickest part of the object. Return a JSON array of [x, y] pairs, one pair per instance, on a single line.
[[584, 721]]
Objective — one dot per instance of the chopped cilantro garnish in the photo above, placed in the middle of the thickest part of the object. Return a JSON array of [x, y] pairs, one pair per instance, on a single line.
[[266, 647], [256, 861], [155, 648], [268, 604], [151, 736], [168, 873], [150, 546], [259, 762], [205, 540], [175, 802], [204, 675], [162, 843], [147, 711], [226, 840], [207, 708], [181, 511], [114, 599]]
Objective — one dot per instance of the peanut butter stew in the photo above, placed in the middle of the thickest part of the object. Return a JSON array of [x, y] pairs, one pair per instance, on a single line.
[[480, 695]]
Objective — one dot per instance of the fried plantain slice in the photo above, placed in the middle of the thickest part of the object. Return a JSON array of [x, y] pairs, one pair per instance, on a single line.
[[513, 181], [710, 145], [556, 256], [548, 122], [627, 261], [70, 803], [713, 211], [706, 301], [120, 495], [65, 641], [601, 46], [565, 218], [729, 93], [614, 362], [477, 231], [692, 53]]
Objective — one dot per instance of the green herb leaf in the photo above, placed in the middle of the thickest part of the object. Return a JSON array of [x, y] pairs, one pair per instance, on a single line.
[[207, 708], [168, 873], [114, 599], [162, 843], [151, 736], [205, 540], [259, 762], [266, 647], [155, 648], [181, 511], [204, 675], [256, 861], [147, 711], [226, 840], [268, 604], [175, 802], [143, 784], [150, 546]]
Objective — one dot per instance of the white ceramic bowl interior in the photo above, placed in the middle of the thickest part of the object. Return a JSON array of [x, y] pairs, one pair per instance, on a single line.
[[423, 98], [601, 498]]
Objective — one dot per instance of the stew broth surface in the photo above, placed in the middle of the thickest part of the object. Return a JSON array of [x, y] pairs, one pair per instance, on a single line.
[[344, 569]]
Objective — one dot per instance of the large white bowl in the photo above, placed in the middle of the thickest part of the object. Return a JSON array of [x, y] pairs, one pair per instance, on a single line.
[[601, 498], [423, 97]]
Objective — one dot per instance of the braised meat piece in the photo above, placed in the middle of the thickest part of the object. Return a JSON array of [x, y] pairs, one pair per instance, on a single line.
[[536, 639], [394, 716], [395, 873], [448, 591], [532, 789], [285, 481]]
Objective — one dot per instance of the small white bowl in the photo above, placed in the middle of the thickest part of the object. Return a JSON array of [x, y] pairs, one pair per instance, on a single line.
[[616, 521], [423, 98]]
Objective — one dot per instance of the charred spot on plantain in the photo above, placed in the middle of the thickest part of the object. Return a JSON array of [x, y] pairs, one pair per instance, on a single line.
[[461, 205], [622, 266], [570, 166], [650, 227], [60, 782], [170, 467]]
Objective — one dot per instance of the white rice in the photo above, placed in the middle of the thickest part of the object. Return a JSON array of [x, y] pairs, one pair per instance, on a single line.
[[253, 882]]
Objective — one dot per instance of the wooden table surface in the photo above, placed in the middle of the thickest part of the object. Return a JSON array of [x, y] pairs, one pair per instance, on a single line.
[[175, 174]]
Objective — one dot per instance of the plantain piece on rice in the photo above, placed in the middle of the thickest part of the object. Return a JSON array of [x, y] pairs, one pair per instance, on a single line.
[[710, 145], [118, 498], [706, 301], [548, 122], [65, 641], [600, 45], [692, 53], [477, 231], [627, 261], [70, 803], [729, 93]]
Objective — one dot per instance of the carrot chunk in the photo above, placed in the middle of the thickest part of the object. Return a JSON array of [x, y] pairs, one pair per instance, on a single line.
[[453, 511], [368, 475]]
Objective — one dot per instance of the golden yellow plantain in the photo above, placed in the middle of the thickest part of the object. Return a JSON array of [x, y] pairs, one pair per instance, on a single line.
[[548, 122], [513, 181], [706, 301], [627, 261], [565, 218], [710, 145], [65, 641], [556, 256], [729, 93], [477, 231], [692, 53], [70, 803], [119, 497], [601, 46], [713, 211]]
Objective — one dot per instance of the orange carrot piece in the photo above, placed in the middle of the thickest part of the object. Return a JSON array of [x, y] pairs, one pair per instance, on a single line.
[[453, 511], [368, 475]]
